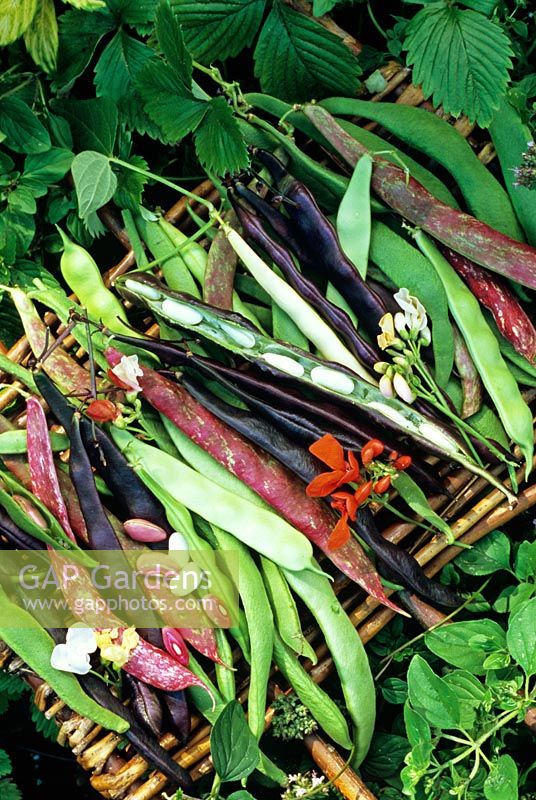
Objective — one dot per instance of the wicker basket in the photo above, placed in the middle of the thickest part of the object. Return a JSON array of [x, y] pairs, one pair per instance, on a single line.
[[121, 773]]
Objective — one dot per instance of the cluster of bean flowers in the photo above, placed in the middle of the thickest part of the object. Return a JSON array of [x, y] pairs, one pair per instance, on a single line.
[[373, 478], [525, 174], [402, 337]]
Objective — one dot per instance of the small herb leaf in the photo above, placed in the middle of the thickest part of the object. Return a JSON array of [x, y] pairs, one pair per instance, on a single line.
[[502, 781], [521, 636], [487, 556], [234, 749], [431, 696], [467, 644]]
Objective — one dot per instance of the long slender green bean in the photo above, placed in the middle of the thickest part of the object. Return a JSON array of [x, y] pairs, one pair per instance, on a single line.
[[225, 675], [347, 651]]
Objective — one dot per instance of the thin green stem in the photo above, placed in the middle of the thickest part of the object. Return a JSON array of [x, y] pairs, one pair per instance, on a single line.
[[215, 790], [375, 21], [164, 181]]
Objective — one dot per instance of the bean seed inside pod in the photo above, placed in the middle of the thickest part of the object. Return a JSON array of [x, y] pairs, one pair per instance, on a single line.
[[181, 313], [240, 337], [143, 531], [30, 510], [150, 292], [284, 364], [332, 379]]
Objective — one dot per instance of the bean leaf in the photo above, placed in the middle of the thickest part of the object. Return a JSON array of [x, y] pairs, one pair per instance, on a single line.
[[234, 749], [467, 644], [431, 696], [502, 781], [94, 181], [521, 636], [487, 556]]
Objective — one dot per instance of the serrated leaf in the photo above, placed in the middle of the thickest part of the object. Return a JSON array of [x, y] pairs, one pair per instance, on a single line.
[[93, 123], [171, 42], [11, 685], [79, 37], [9, 791], [137, 13], [130, 184], [5, 764], [41, 37], [220, 29], [461, 58], [218, 141], [46, 727], [24, 132], [296, 58], [166, 101], [233, 747], [94, 181], [484, 6], [15, 17]]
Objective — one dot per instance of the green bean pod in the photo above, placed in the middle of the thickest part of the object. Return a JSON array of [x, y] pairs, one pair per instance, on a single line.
[[348, 655], [246, 521], [260, 625], [285, 610], [320, 704], [500, 384], [225, 675], [164, 249], [34, 645], [14, 442], [233, 333]]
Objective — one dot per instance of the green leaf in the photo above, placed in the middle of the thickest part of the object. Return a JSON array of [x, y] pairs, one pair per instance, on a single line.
[[220, 29], [431, 696], [130, 184], [17, 230], [395, 691], [218, 141], [386, 754], [525, 563], [94, 181], [24, 132], [137, 13], [171, 43], [22, 199], [466, 644], [41, 38], [486, 7], [15, 17], [296, 58], [11, 328], [416, 499], [461, 58], [79, 36], [12, 685], [9, 791], [46, 727], [470, 693], [419, 737], [487, 556], [5, 764], [166, 103], [521, 636], [353, 216], [233, 747], [512, 598], [43, 169], [93, 123], [86, 5], [502, 781], [321, 7]]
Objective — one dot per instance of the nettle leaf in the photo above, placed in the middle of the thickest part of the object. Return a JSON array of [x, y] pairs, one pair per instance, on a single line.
[[502, 781], [220, 29], [461, 58], [5, 764], [467, 644], [171, 42], [521, 636], [15, 17], [525, 564], [93, 123], [94, 181], [41, 37], [130, 184], [218, 141], [137, 13], [431, 696], [487, 556], [167, 103], [233, 747], [79, 37], [296, 56], [486, 7], [9, 791], [24, 132]]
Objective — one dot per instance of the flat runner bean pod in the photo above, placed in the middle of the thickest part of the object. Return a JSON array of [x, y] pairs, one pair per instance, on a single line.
[[484, 349], [234, 334], [323, 709], [348, 655], [428, 133]]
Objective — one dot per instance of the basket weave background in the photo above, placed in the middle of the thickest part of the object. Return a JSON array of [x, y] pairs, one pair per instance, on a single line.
[[123, 774]]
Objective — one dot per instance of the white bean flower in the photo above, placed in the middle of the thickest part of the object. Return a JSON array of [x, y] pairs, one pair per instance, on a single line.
[[415, 316], [73, 654], [128, 371]]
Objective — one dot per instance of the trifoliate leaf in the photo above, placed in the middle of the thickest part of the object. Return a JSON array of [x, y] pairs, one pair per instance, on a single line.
[[41, 37], [167, 103], [94, 181], [461, 58], [5, 764], [93, 122], [219, 29], [297, 59], [80, 34], [15, 17], [137, 13], [24, 132], [171, 42], [218, 141]]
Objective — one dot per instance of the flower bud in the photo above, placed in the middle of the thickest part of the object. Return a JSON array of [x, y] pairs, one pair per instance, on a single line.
[[386, 387], [403, 389]]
